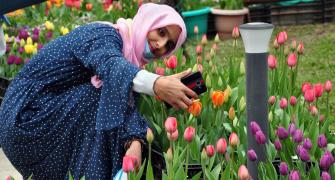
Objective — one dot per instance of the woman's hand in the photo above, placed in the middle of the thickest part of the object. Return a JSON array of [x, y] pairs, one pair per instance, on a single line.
[[173, 91], [135, 151]]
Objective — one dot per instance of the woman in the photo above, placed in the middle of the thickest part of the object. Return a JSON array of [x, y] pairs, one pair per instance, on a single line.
[[54, 121]]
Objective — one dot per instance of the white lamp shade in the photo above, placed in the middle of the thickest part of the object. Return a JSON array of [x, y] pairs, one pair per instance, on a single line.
[[256, 36]]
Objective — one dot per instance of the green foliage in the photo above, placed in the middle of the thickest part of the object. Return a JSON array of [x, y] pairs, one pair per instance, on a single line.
[[231, 4], [189, 5]]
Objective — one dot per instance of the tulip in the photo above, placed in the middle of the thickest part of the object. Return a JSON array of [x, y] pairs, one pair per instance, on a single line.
[[9, 178], [292, 60], [243, 173], [252, 155], [160, 71], [300, 48], [48, 36], [235, 33], [328, 86], [216, 38], [242, 68], [313, 110], [242, 104], [195, 108], [326, 161], [306, 86], [303, 154], [150, 135], [231, 113], [272, 100], [23, 34], [208, 81], [321, 118], [293, 45], [170, 124], [89, 6], [294, 175], [172, 62], [18, 60], [325, 176], [298, 149], [129, 163], [272, 62], [196, 29], [198, 49], [21, 50], [254, 127], [277, 145], [282, 133], [214, 47], [49, 26], [298, 136], [307, 144], [172, 136], [204, 40], [233, 139], [189, 134], [309, 95], [64, 30], [217, 98], [291, 129], [221, 146], [169, 155], [318, 90], [283, 169], [293, 100], [270, 117], [260, 137], [11, 59], [275, 44], [35, 37], [322, 141], [281, 38], [204, 156], [283, 103], [210, 150]]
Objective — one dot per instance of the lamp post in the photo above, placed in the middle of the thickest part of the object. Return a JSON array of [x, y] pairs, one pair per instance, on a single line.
[[256, 37]]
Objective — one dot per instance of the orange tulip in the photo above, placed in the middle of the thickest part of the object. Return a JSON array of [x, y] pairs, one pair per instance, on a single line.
[[218, 98], [195, 108], [89, 6]]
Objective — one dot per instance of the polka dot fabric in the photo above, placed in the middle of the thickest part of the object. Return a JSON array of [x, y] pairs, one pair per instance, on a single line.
[[54, 121]]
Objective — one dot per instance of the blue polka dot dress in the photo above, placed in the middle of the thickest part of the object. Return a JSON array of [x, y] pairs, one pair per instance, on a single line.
[[54, 121]]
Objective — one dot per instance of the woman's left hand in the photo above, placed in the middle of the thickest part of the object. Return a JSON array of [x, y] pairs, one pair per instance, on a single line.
[[135, 151]]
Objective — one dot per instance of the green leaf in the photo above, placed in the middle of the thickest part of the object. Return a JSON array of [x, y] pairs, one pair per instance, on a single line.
[[158, 128], [70, 176], [272, 173], [140, 172], [226, 172], [164, 176], [29, 178], [180, 173], [262, 171], [330, 147], [227, 126], [216, 171], [197, 176], [82, 178], [209, 175]]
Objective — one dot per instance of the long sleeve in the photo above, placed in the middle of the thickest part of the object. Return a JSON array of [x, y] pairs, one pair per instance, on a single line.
[[144, 81]]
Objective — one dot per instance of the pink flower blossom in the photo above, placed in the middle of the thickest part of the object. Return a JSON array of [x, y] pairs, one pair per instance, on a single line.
[[283, 103], [318, 90], [160, 71], [272, 62], [309, 95], [170, 124], [189, 134], [172, 62], [210, 150], [292, 60], [221, 146], [328, 86]]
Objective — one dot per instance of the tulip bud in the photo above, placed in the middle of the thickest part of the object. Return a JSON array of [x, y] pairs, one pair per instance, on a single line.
[[220, 83], [208, 81], [313, 110], [189, 134], [260, 137], [216, 38], [204, 40], [170, 124], [270, 117], [210, 150], [282, 133], [196, 29], [322, 141], [243, 173], [321, 118], [231, 113], [309, 95], [283, 103], [217, 98], [307, 144], [221, 146], [22, 42], [283, 169], [150, 136], [277, 145], [252, 155], [294, 175], [242, 104], [325, 176], [298, 136], [272, 100], [281, 38], [275, 44], [169, 155], [300, 48], [172, 62], [328, 86], [128, 164], [292, 60], [254, 127], [198, 49], [291, 129], [172, 136], [242, 69], [318, 90], [293, 100], [204, 156], [272, 62], [235, 33], [293, 45], [326, 161], [305, 86], [160, 71], [233, 139], [89, 6], [303, 154], [9, 178]]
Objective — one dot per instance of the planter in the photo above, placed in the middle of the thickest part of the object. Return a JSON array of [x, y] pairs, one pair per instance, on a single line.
[[226, 20], [196, 17], [4, 83]]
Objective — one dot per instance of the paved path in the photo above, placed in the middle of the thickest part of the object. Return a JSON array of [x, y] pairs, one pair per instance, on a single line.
[[6, 168]]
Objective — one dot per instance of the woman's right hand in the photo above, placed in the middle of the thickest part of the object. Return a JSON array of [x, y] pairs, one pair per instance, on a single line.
[[171, 90]]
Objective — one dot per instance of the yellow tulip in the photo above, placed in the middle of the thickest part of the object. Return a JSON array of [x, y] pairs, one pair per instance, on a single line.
[[29, 41], [6, 37], [29, 48], [22, 42], [49, 25]]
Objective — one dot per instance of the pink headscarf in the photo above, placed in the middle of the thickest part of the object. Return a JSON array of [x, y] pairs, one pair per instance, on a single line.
[[149, 16]]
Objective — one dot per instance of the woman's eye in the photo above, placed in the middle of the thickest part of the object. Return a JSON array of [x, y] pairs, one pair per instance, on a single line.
[[161, 32]]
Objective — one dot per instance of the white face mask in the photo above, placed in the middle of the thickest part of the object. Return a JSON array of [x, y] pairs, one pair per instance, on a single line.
[[2, 42]]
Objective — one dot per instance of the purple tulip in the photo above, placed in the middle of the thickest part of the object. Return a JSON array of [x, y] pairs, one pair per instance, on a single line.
[[282, 133], [297, 150], [277, 145], [307, 144], [23, 34], [17, 39], [291, 129], [11, 59], [326, 161], [260, 137], [48, 36], [18, 60], [322, 141], [325, 176], [252, 155], [303, 154], [298, 136], [254, 127], [39, 46], [36, 31], [294, 175], [283, 169], [21, 50], [35, 37], [7, 48]]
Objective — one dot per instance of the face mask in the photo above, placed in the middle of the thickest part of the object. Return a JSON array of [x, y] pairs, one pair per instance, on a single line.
[[147, 54]]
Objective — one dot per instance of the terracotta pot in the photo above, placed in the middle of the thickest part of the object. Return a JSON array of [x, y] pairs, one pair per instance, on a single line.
[[226, 20]]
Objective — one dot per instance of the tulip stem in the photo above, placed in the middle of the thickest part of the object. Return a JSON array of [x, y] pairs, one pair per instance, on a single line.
[[232, 162], [327, 105], [187, 156]]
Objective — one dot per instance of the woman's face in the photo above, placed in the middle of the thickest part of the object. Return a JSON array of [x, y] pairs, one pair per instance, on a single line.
[[163, 40]]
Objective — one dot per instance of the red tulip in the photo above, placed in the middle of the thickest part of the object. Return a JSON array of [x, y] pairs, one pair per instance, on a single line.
[[328, 86], [292, 60], [210, 150], [309, 95], [243, 173], [318, 90], [305, 86], [235, 33], [293, 100], [170, 124], [189, 134], [300, 48], [160, 71], [233, 139], [221, 146], [272, 62], [172, 136], [172, 62], [283, 103]]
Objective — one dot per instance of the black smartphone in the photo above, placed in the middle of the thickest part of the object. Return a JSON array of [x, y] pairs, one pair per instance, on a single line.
[[195, 82]]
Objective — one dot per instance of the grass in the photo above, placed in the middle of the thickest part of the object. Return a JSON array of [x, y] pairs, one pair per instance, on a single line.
[[317, 64]]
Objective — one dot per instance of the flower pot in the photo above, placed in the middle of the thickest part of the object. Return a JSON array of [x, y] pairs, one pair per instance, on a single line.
[[226, 20], [196, 17], [4, 83]]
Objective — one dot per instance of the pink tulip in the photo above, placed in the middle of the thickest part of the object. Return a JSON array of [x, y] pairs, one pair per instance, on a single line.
[[272, 100], [235, 33], [198, 49], [328, 86], [283, 103], [196, 29], [292, 60], [275, 44], [309, 95], [210, 150], [172, 136], [272, 62], [172, 62], [243, 173], [313, 110], [300, 48], [318, 90], [200, 68], [189, 134], [204, 39], [281, 38], [306, 86], [221, 146], [233, 139], [129, 163], [160, 71], [214, 46], [170, 124], [293, 44], [293, 100], [9, 177], [322, 118], [285, 35]]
